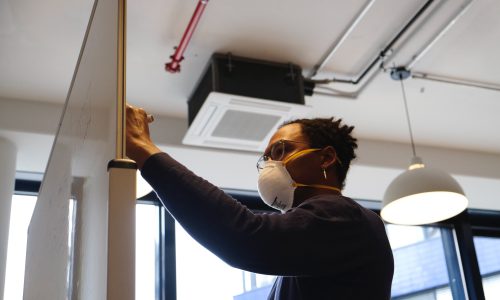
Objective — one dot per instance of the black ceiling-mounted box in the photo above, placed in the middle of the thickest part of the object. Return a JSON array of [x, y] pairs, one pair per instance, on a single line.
[[248, 77]]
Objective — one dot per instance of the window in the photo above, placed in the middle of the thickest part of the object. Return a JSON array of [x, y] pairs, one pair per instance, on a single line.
[[488, 256], [427, 267], [427, 263], [423, 265], [201, 275], [20, 216], [147, 255]]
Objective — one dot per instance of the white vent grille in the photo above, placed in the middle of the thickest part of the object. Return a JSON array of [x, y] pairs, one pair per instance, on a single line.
[[236, 124], [240, 123]]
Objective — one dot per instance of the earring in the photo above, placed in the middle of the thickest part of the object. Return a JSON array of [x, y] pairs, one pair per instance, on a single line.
[[324, 173]]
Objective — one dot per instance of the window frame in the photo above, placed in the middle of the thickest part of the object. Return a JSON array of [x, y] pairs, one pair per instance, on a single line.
[[27, 187], [470, 223]]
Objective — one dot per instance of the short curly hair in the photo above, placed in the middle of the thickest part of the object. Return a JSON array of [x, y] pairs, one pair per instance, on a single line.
[[323, 132]]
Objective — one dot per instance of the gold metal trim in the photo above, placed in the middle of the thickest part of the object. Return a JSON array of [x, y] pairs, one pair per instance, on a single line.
[[121, 80]]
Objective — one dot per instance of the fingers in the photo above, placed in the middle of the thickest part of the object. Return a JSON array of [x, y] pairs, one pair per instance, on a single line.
[[139, 113], [139, 144], [132, 110]]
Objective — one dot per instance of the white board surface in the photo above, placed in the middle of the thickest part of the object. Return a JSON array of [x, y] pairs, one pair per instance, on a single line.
[[85, 143]]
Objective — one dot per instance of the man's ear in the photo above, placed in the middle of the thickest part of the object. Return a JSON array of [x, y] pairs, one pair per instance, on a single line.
[[328, 156]]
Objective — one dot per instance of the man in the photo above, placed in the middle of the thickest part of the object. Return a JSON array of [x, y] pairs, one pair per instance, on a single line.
[[322, 246]]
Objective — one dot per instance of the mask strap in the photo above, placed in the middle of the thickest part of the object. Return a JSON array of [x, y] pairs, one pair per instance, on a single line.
[[320, 186], [299, 154]]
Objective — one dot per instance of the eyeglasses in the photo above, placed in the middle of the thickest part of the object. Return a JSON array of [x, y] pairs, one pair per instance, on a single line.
[[277, 152]]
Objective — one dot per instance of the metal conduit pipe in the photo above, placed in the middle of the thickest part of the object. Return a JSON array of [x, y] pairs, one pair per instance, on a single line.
[[328, 94], [326, 57], [387, 49], [456, 81], [418, 75], [439, 35]]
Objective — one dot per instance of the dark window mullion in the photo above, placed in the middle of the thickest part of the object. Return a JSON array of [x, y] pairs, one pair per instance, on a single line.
[[468, 256], [167, 272], [452, 264], [27, 187]]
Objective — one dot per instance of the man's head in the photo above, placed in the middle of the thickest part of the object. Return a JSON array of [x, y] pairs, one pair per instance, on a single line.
[[305, 158], [328, 134]]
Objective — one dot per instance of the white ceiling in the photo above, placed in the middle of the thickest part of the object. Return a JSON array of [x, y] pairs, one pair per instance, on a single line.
[[40, 42]]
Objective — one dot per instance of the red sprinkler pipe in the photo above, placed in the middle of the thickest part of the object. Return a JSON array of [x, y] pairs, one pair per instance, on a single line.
[[174, 65]]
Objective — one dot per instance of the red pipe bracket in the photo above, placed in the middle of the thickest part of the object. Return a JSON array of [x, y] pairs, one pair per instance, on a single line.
[[174, 66]]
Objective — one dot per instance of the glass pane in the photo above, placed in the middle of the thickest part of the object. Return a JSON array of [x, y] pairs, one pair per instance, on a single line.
[[488, 256], [146, 255], [421, 268], [20, 216], [147, 227], [201, 275], [420, 263]]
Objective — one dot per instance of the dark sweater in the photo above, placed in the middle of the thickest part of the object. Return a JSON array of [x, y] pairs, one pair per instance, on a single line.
[[328, 247]]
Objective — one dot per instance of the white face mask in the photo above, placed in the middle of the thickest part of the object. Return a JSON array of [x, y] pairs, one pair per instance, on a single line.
[[276, 186]]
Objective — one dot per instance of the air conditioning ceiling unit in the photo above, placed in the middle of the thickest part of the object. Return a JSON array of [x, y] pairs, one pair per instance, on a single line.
[[240, 102]]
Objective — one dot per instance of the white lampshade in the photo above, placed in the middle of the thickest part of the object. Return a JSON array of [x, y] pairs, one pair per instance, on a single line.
[[422, 195], [142, 186]]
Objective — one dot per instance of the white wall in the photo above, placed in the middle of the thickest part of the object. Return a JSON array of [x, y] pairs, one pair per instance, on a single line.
[[377, 164]]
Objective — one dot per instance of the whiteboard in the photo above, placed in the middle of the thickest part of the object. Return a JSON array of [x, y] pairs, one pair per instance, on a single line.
[[85, 142]]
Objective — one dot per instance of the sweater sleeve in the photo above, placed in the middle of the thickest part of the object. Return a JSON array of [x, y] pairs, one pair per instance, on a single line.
[[304, 241]]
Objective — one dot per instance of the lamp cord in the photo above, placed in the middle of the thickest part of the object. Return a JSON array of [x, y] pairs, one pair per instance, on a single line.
[[407, 116]]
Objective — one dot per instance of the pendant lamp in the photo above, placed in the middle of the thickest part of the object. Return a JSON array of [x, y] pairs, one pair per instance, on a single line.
[[420, 195]]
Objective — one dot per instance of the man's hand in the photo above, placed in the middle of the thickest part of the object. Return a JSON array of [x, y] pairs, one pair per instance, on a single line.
[[139, 144]]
